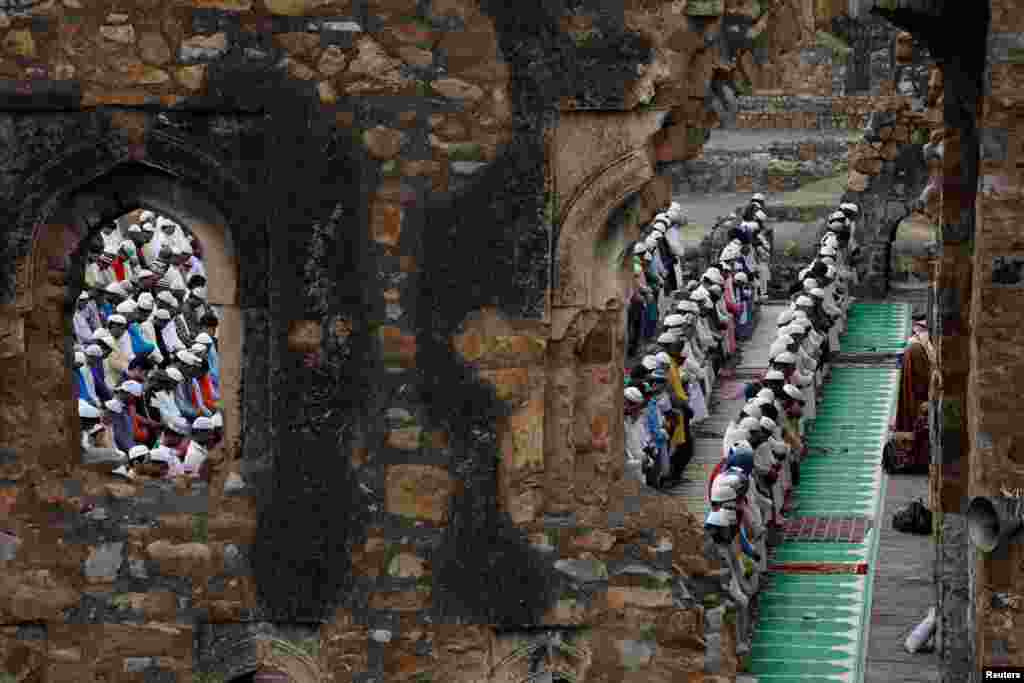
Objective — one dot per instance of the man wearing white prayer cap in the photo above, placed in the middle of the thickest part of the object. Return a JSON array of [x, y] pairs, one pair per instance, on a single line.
[[638, 437], [197, 453]]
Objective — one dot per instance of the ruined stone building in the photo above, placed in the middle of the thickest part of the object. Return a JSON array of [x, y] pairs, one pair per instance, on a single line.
[[409, 212]]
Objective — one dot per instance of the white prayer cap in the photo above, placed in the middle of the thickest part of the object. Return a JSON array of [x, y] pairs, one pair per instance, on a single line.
[[117, 319], [715, 289], [774, 375], [786, 358], [146, 216], [198, 348], [87, 410], [144, 273], [84, 296], [810, 283], [849, 206], [648, 362], [138, 452], [761, 215], [186, 249], [188, 358], [689, 318], [758, 197], [80, 357], [175, 374], [217, 420], [204, 338], [785, 316], [163, 314], [767, 394], [114, 406], [713, 275], [723, 517], [768, 424], [126, 306], [688, 306], [827, 251], [830, 272], [147, 226], [741, 277], [179, 425], [669, 338], [753, 410], [132, 387], [804, 301], [793, 392], [114, 288], [779, 447], [783, 339], [202, 423], [750, 424], [800, 315], [134, 227], [673, 320], [94, 350], [818, 292], [100, 333], [700, 292], [663, 358], [145, 301], [633, 395], [837, 214], [167, 298], [750, 225], [640, 248]]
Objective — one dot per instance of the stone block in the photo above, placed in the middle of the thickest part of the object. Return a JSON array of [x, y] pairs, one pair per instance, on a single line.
[[386, 223], [405, 438], [203, 47], [595, 540], [383, 143], [397, 348], [619, 597], [868, 166], [705, 8], [186, 559], [406, 566], [304, 336], [511, 384], [525, 446], [298, 8], [103, 562], [12, 335], [419, 491]]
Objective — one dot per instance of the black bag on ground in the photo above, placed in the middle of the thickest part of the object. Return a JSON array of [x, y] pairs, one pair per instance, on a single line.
[[913, 519]]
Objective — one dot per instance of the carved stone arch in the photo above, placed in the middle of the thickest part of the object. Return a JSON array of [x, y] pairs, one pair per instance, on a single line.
[[575, 287], [64, 202]]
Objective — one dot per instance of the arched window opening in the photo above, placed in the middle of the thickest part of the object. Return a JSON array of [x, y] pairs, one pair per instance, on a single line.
[[147, 365], [910, 250]]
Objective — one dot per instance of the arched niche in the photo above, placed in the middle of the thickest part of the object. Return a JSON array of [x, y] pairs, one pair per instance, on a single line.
[[49, 276], [241, 652], [586, 352]]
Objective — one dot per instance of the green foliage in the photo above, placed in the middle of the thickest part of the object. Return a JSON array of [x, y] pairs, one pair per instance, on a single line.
[[424, 89], [121, 601], [652, 583], [389, 168], [424, 583], [465, 151], [744, 88], [200, 528], [744, 664], [696, 136], [308, 647], [8, 678], [730, 616], [919, 136], [311, 646], [551, 207], [791, 249], [712, 600], [197, 677], [585, 39], [840, 50], [761, 40], [648, 632], [783, 167], [423, 677], [390, 551]]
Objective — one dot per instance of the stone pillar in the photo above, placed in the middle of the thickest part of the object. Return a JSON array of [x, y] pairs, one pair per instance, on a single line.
[[875, 265], [559, 431]]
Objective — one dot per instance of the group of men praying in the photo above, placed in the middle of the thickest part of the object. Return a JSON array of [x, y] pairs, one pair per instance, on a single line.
[[146, 363], [667, 392]]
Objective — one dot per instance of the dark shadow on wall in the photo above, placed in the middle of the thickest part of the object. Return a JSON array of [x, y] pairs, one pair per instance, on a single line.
[[490, 245]]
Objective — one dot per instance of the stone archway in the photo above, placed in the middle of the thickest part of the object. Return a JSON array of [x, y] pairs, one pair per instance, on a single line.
[[586, 350], [48, 275]]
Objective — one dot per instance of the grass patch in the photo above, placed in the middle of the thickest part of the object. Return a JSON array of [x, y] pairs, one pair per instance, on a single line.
[[389, 168], [651, 583], [551, 207], [783, 167], [648, 632], [712, 600], [424, 89], [840, 50], [424, 583], [744, 88], [121, 601], [744, 664], [730, 616], [423, 677], [197, 677], [919, 136], [826, 191], [696, 136], [585, 39], [390, 551], [465, 151], [201, 528]]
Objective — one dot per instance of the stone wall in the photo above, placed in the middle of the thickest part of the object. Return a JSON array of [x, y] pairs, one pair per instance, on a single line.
[[778, 167], [410, 195]]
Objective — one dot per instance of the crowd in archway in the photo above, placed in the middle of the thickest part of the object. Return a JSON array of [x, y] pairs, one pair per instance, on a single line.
[[146, 363], [667, 391]]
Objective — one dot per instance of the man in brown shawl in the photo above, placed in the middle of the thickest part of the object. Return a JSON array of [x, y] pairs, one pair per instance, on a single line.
[[911, 411]]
